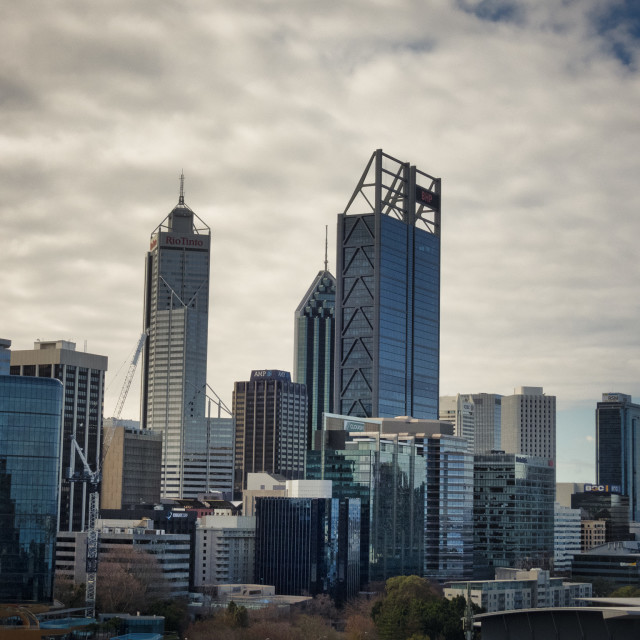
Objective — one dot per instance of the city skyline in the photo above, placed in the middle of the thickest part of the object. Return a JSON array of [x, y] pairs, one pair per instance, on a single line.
[[527, 114]]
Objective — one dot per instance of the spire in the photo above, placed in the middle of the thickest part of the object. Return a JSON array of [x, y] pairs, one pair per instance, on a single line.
[[326, 245], [181, 199]]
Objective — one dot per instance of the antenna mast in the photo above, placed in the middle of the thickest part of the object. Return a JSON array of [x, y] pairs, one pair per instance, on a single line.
[[181, 199], [326, 245]]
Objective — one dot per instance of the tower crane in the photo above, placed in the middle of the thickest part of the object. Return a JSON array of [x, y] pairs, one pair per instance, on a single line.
[[92, 480]]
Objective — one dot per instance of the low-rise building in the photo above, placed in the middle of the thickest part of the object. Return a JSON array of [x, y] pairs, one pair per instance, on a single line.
[[518, 589]]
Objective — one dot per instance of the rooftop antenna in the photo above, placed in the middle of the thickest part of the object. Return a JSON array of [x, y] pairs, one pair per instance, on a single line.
[[326, 244], [181, 199]]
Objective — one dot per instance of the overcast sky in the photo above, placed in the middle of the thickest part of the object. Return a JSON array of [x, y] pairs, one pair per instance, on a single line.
[[528, 111]]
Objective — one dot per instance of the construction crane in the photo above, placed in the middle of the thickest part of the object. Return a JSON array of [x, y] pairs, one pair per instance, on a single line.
[[92, 481], [129, 377]]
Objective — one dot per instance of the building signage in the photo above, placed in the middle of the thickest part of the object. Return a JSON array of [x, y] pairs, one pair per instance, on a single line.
[[521, 459], [270, 374], [196, 242], [154, 242], [602, 488], [176, 514], [427, 198], [352, 425]]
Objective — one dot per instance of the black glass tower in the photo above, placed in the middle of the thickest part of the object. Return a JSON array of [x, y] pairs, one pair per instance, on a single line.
[[618, 447], [314, 346], [388, 294]]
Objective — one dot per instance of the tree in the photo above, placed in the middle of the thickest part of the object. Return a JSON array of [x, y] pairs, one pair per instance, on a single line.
[[68, 592], [626, 592], [129, 582]]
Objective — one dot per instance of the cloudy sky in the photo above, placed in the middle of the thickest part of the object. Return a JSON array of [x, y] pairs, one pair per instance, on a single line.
[[528, 111]]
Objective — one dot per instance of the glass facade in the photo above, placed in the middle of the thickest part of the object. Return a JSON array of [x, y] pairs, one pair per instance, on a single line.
[[618, 447], [308, 546], [314, 342], [30, 441], [387, 475], [176, 319], [270, 414], [448, 509], [512, 511], [388, 302], [82, 375]]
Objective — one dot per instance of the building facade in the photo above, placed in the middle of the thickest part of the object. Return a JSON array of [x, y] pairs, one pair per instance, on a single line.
[[131, 468], [517, 589], [388, 294], [380, 462], [176, 323], [512, 512], [314, 346], [309, 546], [271, 426], [30, 444], [600, 502], [528, 423], [448, 508], [566, 535], [82, 375], [225, 550], [618, 447]]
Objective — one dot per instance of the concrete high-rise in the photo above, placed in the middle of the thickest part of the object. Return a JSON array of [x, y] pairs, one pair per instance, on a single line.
[[618, 447], [529, 423], [271, 426], [176, 319], [314, 345], [388, 294], [82, 375]]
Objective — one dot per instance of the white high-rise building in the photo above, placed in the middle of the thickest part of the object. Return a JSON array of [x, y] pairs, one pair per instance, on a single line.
[[529, 423], [566, 535], [176, 318]]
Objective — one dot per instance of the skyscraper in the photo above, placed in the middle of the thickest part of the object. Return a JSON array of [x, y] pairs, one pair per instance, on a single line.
[[271, 426], [313, 345], [176, 319], [30, 441], [618, 447], [388, 294], [82, 375], [529, 423]]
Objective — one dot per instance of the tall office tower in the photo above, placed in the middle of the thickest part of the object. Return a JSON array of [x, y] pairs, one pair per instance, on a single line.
[[314, 345], [271, 426], [529, 423], [30, 441], [308, 546], [459, 411], [388, 294], [512, 512], [605, 504], [448, 508], [176, 319], [618, 447], [82, 375]]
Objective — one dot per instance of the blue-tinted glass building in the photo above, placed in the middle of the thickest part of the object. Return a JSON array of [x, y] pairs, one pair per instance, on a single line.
[[388, 294], [30, 442], [618, 447], [513, 512], [314, 346], [448, 508], [386, 472], [308, 546]]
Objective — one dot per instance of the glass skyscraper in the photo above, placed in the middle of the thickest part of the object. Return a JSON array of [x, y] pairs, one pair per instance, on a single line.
[[388, 294], [308, 546], [30, 441], [82, 375], [176, 319], [513, 512], [618, 447], [314, 346]]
